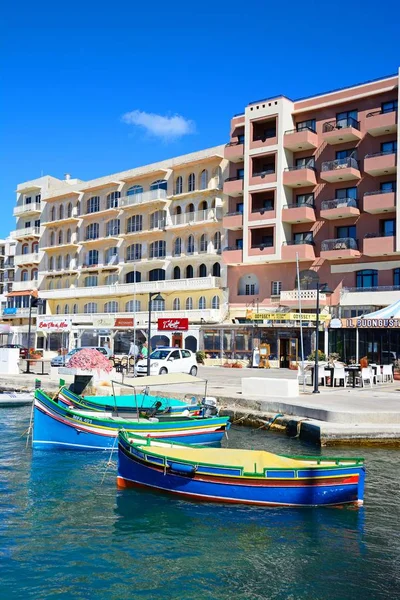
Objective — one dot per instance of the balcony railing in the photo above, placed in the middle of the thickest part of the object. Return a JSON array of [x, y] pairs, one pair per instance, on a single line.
[[235, 178], [234, 213], [265, 136], [264, 173], [237, 143], [341, 124], [300, 168], [379, 192], [144, 197], [380, 112], [339, 244], [301, 205], [194, 217], [293, 295], [380, 154], [339, 203], [19, 286], [25, 259], [230, 248], [376, 288], [291, 131], [380, 234], [26, 232], [340, 163], [26, 208], [299, 242]]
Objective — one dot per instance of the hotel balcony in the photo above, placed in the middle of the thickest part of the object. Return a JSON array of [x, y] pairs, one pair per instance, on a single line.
[[382, 163], [298, 213], [32, 208], [22, 286], [151, 196], [233, 220], [342, 169], [375, 244], [27, 259], [18, 312], [27, 233], [375, 296], [308, 298], [341, 131], [233, 186], [381, 123], [303, 249], [234, 151], [301, 176], [339, 248], [72, 218], [263, 133], [342, 208], [303, 139], [196, 217], [232, 255], [379, 202]]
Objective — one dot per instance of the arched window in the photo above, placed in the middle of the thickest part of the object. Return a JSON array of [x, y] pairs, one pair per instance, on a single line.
[[35, 247], [178, 210], [35, 274], [76, 235], [112, 228], [111, 307], [132, 306], [157, 249], [216, 270], [24, 275], [69, 210], [92, 231], [112, 200], [69, 236], [134, 224], [25, 249], [157, 275], [61, 212], [248, 285], [111, 279], [93, 204], [134, 252], [75, 309], [308, 280], [111, 256], [191, 182], [189, 303], [189, 272], [60, 237], [190, 208], [177, 273], [133, 276], [217, 241], [367, 278], [135, 189], [59, 263], [90, 308], [78, 208], [202, 270], [51, 263], [50, 286], [91, 281], [177, 247], [66, 309], [204, 179], [158, 219], [158, 305], [202, 303], [215, 302], [52, 238], [67, 261], [53, 213], [203, 205], [58, 309], [178, 185], [58, 284], [176, 305], [203, 243], [190, 245], [92, 258], [160, 184]]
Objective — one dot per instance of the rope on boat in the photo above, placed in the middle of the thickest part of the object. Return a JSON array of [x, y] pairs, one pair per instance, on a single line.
[[29, 430], [109, 462]]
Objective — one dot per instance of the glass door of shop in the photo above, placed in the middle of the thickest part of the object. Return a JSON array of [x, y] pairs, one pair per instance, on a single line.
[[288, 351]]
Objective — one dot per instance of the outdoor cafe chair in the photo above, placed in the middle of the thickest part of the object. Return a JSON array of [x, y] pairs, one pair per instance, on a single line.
[[387, 373], [366, 375], [339, 374]]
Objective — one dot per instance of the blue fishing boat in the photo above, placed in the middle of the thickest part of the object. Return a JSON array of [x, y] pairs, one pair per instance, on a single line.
[[239, 476], [56, 426]]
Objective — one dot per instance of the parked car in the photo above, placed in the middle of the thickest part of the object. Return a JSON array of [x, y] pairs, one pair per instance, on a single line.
[[168, 360], [23, 352], [60, 361]]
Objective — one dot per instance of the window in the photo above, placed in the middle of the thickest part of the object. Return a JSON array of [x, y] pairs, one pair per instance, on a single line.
[[92, 258], [67, 261], [389, 147], [346, 232], [388, 186], [190, 245], [66, 309], [189, 272], [396, 277], [158, 219], [308, 162], [303, 237], [202, 303], [158, 305], [38, 198], [111, 307], [203, 205], [157, 249], [189, 303], [203, 243], [59, 263], [69, 210], [217, 241], [157, 275], [89, 308], [69, 236], [388, 227], [216, 270], [75, 309], [250, 289], [342, 154], [346, 193], [133, 276], [239, 244], [305, 200], [389, 106], [178, 185], [93, 204], [135, 189], [160, 184], [113, 227], [25, 249], [53, 213], [50, 286], [276, 287], [111, 256], [177, 273], [248, 285], [60, 237], [92, 231], [132, 306], [176, 305], [58, 309], [309, 124], [368, 278], [113, 200], [24, 276], [215, 303], [35, 248], [347, 119], [60, 212], [51, 263], [134, 223], [202, 270], [191, 182], [204, 179], [52, 238], [91, 281], [240, 173], [134, 252], [177, 247], [239, 207], [35, 274]]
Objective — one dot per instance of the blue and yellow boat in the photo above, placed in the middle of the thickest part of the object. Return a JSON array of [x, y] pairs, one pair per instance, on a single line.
[[239, 476]]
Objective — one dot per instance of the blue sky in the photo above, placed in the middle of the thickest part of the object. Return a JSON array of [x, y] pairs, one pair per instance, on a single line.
[[71, 71]]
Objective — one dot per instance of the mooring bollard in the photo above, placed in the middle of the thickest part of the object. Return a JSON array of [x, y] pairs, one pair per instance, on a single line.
[[38, 384]]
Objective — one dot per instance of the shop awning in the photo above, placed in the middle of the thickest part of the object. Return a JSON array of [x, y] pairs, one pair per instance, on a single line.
[[389, 312], [4, 328]]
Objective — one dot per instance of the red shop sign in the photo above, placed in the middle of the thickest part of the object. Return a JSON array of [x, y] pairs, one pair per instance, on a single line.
[[123, 322], [173, 324]]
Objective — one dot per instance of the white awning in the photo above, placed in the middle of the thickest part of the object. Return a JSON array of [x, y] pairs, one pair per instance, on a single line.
[[389, 312]]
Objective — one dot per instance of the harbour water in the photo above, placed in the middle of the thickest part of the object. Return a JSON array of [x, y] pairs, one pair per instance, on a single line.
[[66, 535]]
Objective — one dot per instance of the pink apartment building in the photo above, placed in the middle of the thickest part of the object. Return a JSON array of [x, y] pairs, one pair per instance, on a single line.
[[316, 179]]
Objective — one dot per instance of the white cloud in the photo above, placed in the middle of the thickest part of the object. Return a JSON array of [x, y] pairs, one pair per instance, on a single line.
[[167, 128]]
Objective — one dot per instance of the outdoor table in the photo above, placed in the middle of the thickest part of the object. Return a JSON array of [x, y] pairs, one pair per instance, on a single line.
[[320, 369], [36, 360], [353, 370]]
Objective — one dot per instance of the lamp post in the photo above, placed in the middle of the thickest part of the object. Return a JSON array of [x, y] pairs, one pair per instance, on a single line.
[[34, 302], [155, 296], [320, 288]]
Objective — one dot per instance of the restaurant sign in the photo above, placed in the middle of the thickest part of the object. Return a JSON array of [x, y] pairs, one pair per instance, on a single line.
[[124, 322], [103, 322], [173, 324], [280, 316], [360, 323], [53, 324]]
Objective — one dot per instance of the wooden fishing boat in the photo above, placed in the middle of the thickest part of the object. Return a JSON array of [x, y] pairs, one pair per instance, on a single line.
[[55, 425], [10, 399], [239, 476]]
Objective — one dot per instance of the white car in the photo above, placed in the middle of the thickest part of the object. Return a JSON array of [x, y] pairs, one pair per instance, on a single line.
[[168, 360]]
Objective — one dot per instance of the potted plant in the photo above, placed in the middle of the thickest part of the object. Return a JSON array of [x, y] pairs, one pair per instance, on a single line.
[[396, 370], [200, 357], [321, 355]]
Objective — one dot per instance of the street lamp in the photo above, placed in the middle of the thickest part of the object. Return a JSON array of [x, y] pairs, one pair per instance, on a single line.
[[152, 296], [34, 302], [323, 287]]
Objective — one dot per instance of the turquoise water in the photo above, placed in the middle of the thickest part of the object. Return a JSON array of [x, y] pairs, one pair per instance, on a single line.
[[65, 535]]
